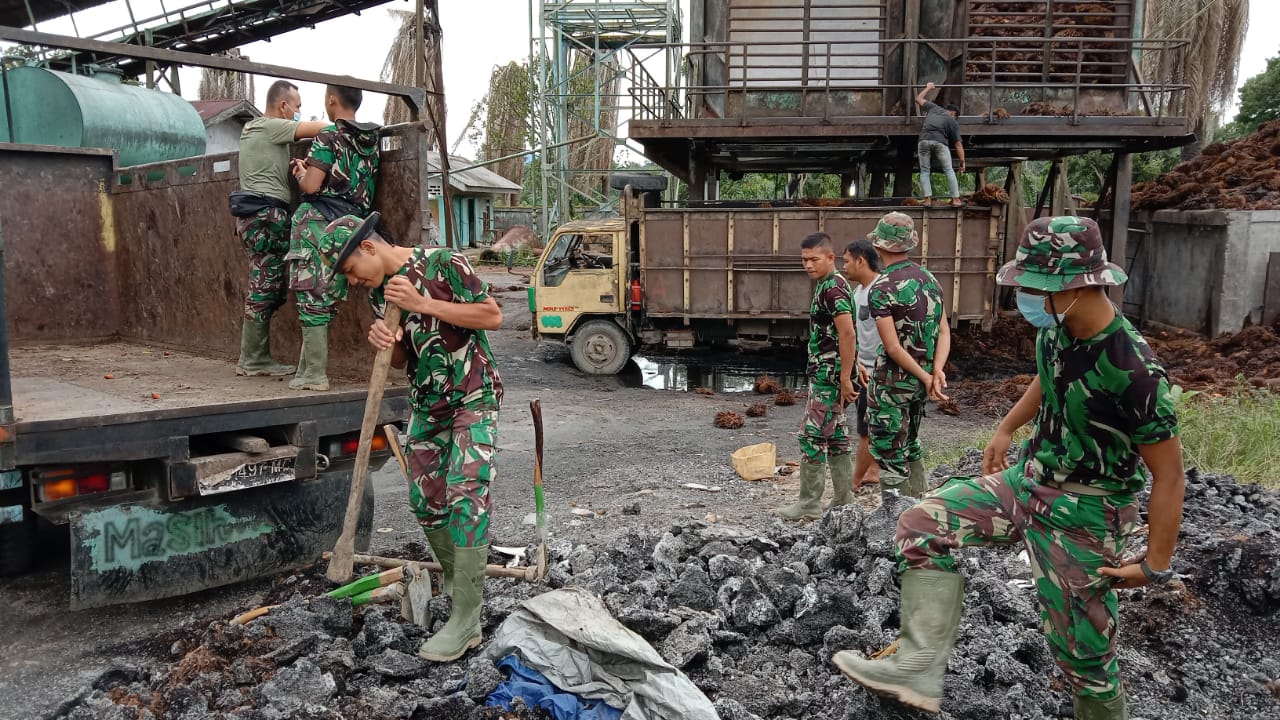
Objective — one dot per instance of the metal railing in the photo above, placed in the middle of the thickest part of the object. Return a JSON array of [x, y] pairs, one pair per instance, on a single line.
[[1066, 76]]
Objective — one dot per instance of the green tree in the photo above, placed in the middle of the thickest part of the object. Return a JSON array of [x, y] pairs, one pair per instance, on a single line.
[[1259, 100]]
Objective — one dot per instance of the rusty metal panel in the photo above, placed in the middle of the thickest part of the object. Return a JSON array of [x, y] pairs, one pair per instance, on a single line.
[[184, 272], [662, 267], [708, 259], [58, 261]]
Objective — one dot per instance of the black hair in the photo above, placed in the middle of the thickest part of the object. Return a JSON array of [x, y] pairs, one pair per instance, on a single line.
[[350, 98], [867, 251], [276, 93], [950, 107], [815, 240]]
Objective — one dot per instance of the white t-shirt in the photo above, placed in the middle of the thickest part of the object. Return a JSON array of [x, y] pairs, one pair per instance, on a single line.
[[868, 335]]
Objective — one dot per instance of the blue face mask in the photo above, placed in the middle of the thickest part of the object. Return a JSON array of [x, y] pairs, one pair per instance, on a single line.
[[1032, 308], [297, 116]]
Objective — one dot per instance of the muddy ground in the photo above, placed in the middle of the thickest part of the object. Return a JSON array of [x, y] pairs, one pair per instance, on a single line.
[[623, 448]]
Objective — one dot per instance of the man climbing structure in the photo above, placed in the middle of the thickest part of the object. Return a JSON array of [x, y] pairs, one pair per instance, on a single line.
[[455, 393], [824, 439], [337, 178], [906, 302], [1102, 407]]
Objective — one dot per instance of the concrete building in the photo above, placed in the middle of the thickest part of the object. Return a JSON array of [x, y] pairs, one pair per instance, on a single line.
[[223, 121], [475, 192]]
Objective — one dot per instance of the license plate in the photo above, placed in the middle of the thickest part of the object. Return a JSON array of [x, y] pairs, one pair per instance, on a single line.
[[254, 474]]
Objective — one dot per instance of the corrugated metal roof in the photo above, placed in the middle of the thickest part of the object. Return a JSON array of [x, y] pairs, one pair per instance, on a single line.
[[472, 179], [212, 111]]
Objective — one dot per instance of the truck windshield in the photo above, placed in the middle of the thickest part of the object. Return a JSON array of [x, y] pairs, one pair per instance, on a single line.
[[571, 252]]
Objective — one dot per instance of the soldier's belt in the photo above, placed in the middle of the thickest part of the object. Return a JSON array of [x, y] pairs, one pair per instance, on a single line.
[[1076, 488]]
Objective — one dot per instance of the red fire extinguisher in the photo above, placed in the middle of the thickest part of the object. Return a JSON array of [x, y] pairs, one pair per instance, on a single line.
[[637, 296]]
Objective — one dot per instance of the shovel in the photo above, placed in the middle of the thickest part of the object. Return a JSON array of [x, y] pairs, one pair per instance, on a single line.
[[414, 603]]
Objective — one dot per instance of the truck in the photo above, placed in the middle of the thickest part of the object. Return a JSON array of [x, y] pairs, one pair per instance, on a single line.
[[728, 272], [121, 415]]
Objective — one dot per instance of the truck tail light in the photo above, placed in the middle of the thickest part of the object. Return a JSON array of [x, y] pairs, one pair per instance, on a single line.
[[67, 482], [349, 445]]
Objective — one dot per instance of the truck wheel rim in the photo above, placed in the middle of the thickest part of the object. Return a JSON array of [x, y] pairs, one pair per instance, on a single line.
[[600, 349]]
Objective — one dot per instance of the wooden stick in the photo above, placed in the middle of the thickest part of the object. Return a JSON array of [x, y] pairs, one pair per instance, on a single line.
[[519, 573], [340, 564]]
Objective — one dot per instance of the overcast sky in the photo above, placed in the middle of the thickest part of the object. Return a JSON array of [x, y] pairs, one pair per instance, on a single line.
[[478, 35]]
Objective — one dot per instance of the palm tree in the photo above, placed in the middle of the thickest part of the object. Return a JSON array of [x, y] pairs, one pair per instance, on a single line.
[[401, 66], [1215, 29]]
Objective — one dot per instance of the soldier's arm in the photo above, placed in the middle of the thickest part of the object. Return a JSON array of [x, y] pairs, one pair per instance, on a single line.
[[942, 351], [308, 130], [894, 351], [1164, 512], [483, 315], [312, 181], [848, 350], [995, 456]]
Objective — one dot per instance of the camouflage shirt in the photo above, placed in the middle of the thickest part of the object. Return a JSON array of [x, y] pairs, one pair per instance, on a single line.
[[910, 295], [831, 297], [449, 367], [1100, 398], [348, 154]]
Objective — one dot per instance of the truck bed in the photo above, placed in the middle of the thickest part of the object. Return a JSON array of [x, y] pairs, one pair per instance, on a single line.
[[96, 382]]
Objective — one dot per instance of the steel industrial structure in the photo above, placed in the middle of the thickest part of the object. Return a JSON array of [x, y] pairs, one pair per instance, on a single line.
[[593, 64]]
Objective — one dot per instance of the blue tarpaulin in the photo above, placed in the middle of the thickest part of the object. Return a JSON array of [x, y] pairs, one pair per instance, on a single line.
[[537, 692]]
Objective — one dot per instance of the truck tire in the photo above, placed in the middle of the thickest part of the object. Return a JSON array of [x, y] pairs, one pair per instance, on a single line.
[[600, 347], [17, 546]]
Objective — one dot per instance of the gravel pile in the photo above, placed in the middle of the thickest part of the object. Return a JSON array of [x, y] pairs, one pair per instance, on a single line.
[[753, 618]]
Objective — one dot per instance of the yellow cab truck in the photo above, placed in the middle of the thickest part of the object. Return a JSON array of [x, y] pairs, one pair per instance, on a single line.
[[728, 272]]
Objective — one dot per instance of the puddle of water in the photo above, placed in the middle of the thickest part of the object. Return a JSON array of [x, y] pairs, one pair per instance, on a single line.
[[683, 375]]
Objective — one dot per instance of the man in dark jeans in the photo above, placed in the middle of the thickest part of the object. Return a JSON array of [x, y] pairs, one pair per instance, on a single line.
[[939, 134]]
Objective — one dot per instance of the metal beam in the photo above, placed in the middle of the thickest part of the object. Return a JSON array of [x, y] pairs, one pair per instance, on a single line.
[[415, 97]]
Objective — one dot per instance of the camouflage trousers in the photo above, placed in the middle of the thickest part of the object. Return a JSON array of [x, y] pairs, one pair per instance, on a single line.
[[1067, 538], [895, 408], [824, 428], [266, 239], [317, 298], [451, 460]]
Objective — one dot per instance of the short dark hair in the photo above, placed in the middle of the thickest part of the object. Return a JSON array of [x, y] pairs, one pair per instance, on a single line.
[[350, 98], [865, 250], [815, 240], [950, 107], [276, 93]]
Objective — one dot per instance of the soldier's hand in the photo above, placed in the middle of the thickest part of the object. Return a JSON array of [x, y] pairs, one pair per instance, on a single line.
[[939, 382], [1128, 576], [402, 292], [864, 377], [848, 393], [995, 458], [382, 337]]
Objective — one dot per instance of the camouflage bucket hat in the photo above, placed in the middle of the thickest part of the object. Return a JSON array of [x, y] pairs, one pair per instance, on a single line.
[[341, 238], [895, 237], [1060, 253]]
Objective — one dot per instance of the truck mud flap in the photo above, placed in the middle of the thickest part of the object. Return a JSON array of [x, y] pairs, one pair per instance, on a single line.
[[146, 551]]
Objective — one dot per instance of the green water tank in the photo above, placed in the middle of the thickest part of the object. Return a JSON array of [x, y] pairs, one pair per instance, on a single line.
[[56, 108]]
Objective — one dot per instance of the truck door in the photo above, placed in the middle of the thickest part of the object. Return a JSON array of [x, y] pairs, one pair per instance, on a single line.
[[578, 276]]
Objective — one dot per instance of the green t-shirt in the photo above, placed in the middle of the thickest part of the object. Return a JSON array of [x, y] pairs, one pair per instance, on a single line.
[[264, 156], [1100, 398]]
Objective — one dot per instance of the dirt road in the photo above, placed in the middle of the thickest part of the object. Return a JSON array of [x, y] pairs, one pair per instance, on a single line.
[[611, 442]]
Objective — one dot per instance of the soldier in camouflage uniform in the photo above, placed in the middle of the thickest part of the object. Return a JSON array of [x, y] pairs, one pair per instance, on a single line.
[[824, 439], [264, 174], [455, 393], [906, 302], [1101, 403], [337, 179]]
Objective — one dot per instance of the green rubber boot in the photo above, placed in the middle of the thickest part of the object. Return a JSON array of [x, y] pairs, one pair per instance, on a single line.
[[442, 548], [917, 480], [809, 506], [891, 483], [255, 352], [314, 360], [932, 601], [1092, 709], [462, 632], [841, 479]]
